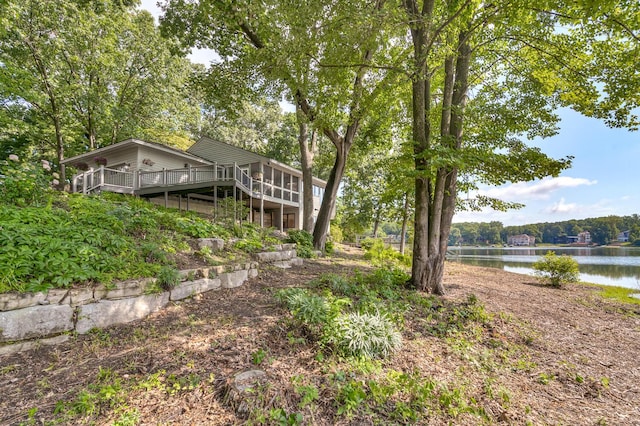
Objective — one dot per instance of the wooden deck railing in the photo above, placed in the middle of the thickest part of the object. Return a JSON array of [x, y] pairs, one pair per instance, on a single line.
[[106, 179]]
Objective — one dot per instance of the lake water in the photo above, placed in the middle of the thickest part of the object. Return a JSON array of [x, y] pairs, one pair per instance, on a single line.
[[619, 266]]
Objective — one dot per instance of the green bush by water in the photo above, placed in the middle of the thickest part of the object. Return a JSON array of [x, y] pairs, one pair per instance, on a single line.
[[557, 270]]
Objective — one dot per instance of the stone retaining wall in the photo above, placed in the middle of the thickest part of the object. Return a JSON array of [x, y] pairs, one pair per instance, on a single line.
[[46, 318]]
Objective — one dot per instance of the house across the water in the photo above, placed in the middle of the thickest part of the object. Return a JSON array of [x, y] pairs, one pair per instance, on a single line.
[[198, 179], [521, 240]]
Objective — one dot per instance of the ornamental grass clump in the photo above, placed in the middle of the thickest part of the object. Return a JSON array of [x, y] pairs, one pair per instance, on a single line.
[[556, 270], [362, 334], [350, 334]]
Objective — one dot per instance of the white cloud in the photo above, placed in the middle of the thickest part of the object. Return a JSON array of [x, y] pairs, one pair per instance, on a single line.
[[562, 207], [536, 191], [603, 207]]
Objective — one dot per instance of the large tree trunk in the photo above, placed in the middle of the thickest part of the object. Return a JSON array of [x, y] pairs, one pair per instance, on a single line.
[[376, 222], [327, 207], [405, 221], [307, 152], [435, 192], [421, 268], [458, 103]]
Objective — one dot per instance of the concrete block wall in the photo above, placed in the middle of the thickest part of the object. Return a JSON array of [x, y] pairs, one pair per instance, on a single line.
[[48, 318]]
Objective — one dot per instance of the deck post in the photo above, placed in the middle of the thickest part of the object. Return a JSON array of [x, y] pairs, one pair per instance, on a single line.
[[166, 199], [188, 199], [215, 202], [179, 202], [101, 176], [84, 182], [281, 217], [235, 196], [136, 180], [164, 176], [251, 205]]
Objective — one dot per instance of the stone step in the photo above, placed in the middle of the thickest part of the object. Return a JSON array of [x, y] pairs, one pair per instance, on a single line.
[[275, 256]]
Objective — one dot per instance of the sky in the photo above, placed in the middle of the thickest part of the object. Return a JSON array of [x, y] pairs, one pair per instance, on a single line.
[[604, 178]]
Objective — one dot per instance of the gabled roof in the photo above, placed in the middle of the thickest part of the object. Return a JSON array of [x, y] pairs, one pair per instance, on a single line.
[[132, 142], [211, 150]]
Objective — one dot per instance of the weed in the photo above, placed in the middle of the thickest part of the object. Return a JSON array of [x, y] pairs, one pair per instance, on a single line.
[[31, 417], [545, 378], [258, 356], [294, 340], [168, 278], [8, 369], [128, 418], [308, 394], [175, 384], [279, 416], [350, 397]]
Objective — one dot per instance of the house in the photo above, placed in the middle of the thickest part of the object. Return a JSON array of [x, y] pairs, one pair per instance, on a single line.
[[623, 237], [198, 179], [521, 240], [584, 238]]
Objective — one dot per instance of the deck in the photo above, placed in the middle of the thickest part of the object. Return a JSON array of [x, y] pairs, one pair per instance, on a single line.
[[181, 180]]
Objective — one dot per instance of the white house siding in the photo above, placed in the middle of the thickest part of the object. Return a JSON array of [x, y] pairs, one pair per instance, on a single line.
[[114, 159], [161, 160]]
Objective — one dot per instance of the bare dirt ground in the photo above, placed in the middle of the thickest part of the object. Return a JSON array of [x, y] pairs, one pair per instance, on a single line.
[[577, 355]]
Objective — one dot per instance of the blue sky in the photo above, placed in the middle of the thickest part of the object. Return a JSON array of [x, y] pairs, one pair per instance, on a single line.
[[604, 179]]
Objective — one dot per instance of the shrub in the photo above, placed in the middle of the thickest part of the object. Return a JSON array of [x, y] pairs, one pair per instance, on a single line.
[[335, 233], [381, 255], [557, 270], [304, 242], [368, 243], [329, 248]]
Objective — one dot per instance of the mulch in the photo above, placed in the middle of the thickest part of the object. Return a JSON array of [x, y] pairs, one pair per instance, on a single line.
[[580, 356]]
